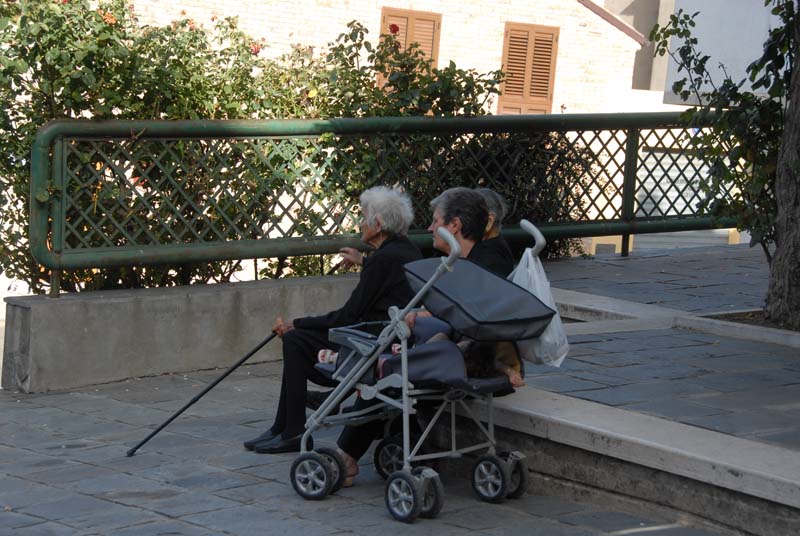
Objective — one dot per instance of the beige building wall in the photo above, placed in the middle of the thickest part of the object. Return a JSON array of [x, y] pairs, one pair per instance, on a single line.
[[594, 64]]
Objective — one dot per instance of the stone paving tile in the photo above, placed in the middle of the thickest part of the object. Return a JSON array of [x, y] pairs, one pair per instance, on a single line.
[[790, 439], [261, 492], [677, 409], [111, 519], [48, 529], [171, 503], [659, 371], [609, 521], [514, 524], [27, 493], [168, 527], [602, 378], [29, 462], [739, 381], [213, 480], [610, 360], [10, 521], [752, 398], [640, 392], [72, 506], [247, 520], [142, 460], [562, 384], [746, 422], [71, 473]]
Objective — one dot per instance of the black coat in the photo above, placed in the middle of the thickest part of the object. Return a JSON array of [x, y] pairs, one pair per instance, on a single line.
[[382, 284], [494, 255]]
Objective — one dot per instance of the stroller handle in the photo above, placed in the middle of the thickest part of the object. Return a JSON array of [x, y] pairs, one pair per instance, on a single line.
[[537, 235], [455, 248]]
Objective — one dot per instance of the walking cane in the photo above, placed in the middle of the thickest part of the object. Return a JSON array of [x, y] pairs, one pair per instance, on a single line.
[[200, 395]]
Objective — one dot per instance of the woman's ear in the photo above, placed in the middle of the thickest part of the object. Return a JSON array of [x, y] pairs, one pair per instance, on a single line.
[[454, 226], [489, 223]]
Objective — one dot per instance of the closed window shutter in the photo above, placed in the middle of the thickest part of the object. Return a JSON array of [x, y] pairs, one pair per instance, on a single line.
[[415, 27], [529, 61], [402, 23]]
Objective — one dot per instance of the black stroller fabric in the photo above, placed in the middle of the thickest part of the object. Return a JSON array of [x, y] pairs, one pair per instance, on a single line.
[[479, 304]]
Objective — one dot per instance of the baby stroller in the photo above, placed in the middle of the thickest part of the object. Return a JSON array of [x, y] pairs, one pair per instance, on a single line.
[[476, 304]]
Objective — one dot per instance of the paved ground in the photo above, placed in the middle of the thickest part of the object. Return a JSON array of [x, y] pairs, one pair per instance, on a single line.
[[63, 468], [63, 471], [744, 388]]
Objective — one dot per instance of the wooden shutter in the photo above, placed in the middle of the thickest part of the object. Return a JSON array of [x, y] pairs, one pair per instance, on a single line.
[[415, 27], [529, 61]]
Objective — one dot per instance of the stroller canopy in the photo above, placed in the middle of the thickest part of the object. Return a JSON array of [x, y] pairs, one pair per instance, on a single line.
[[478, 303]]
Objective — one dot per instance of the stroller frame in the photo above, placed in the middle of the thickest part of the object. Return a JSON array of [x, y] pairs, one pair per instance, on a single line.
[[410, 492]]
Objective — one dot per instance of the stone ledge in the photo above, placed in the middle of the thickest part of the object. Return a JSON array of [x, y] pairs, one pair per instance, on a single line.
[[98, 337], [739, 330], [757, 469]]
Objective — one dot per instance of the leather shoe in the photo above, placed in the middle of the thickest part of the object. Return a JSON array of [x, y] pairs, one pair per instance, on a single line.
[[266, 436], [280, 445]]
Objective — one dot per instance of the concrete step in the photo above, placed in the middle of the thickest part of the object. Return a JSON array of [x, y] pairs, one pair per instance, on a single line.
[[585, 449]]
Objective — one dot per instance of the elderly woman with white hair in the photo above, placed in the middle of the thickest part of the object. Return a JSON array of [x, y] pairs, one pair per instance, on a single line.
[[387, 215]]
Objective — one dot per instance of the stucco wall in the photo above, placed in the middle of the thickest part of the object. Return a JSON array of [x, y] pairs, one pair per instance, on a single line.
[[595, 60]]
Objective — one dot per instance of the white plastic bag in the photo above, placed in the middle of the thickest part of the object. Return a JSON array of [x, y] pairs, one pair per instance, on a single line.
[[551, 347]]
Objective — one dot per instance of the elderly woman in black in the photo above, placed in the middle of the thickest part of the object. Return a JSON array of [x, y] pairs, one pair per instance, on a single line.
[[386, 216]]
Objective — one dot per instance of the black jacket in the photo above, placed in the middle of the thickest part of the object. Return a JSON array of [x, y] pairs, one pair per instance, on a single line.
[[494, 255], [382, 284]]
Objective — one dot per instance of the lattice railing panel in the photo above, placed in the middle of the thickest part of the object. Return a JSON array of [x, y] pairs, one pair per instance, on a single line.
[[110, 193]]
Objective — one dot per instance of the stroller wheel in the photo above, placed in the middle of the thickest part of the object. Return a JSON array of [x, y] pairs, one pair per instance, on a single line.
[[388, 457], [336, 465], [432, 491], [491, 477], [518, 484], [311, 476], [404, 496]]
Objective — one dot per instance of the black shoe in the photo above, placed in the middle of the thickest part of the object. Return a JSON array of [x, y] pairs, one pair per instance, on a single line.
[[314, 399], [280, 445], [266, 436]]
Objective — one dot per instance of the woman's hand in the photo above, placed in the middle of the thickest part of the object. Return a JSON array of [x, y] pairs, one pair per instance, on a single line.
[[280, 327], [351, 257], [411, 318]]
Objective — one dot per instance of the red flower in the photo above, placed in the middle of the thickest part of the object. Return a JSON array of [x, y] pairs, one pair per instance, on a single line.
[[394, 29], [255, 48]]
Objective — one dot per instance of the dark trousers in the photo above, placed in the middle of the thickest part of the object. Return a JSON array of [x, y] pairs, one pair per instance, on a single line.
[[356, 440], [300, 349]]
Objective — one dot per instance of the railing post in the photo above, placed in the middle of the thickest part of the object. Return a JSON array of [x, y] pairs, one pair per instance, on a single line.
[[629, 183], [55, 283], [57, 216]]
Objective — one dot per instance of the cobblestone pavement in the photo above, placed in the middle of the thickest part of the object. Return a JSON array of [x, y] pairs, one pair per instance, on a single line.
[[63, 471]]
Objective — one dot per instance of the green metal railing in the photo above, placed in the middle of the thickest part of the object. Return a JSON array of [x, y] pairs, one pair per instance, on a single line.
[[145, 192]]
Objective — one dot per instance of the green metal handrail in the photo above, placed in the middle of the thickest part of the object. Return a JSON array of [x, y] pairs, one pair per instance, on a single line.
[[110, 193]]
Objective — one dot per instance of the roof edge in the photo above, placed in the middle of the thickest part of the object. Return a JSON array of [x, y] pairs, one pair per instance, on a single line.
[[615, 21]]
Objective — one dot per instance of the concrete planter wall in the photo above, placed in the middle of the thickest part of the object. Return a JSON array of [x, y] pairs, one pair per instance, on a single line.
[[97, 337]]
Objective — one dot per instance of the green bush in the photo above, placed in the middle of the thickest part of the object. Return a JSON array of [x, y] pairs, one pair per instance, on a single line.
[[72, 60], [66, 59]]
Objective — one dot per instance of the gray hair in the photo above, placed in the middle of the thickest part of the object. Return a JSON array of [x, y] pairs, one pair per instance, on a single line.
[[391, 208], [468, 206], [496, 204]]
